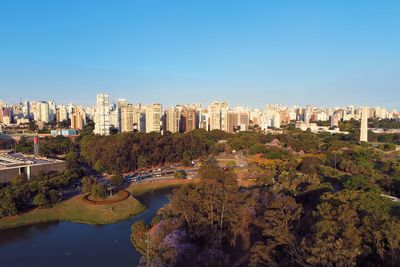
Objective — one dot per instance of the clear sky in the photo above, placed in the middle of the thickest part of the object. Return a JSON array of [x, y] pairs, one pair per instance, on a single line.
[[247, 52]]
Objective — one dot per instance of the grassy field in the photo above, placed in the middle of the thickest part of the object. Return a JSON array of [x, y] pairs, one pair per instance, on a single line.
[[76, 210]]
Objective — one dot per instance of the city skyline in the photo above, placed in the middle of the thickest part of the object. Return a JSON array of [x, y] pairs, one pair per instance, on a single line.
[[180, 52], [114, 101], [123, 116]]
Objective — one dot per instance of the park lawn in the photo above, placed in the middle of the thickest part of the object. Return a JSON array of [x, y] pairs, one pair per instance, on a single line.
[[139, 189], [75, 210]]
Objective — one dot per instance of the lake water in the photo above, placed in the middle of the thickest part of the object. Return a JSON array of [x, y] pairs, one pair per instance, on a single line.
[[73, 244]]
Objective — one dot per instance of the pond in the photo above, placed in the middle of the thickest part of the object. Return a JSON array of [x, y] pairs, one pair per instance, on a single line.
[[73, 244]]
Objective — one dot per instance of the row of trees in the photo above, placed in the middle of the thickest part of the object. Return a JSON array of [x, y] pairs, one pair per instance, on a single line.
[[130, 151], [49, 147], [42, 190]]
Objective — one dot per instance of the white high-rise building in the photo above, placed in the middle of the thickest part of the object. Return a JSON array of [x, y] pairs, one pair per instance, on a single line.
[[44, 112], [364, 125], [35, 110], [62, 114], [102, 115], [153, 118], [218, 114]]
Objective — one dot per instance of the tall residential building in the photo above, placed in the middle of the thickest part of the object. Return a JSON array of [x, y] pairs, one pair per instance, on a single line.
[[102, 115], [52, 110], [153, 118], [237, 121], [335, 120], [26, 109], [189, 119], [61, 114], [139, 119], [364, 125], [255, 117], [120, 103], [232, 122], [114, 117], [172, 120], [127, 113], [44, 112], [35, 111], [218, 115], [78, 118]]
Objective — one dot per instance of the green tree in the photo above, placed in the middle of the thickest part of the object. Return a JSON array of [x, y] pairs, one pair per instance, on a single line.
[[186, 161], [279, 224], [142, 161], [40, 200], [87, 184], [99, 191], [54, 196]]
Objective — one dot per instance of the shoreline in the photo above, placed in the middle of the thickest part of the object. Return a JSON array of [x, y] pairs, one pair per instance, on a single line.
[[76, 211]]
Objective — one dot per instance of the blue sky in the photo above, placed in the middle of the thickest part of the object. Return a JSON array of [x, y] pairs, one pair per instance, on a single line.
[[247, 52]]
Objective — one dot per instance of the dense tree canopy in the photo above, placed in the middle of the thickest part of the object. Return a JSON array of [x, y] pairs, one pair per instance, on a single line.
[[317, 201], [130, 151]]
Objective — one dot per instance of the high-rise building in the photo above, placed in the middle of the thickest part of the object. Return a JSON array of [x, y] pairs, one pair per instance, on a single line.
[[35, 111], [276, 120], [78, 118], [335, 120], [232, 122], [26, 109], [218, 115], [120, 103], [237, 121], [364, 125], [127, 113], [173, 119], [44, 112], [139, 119], [153, 118], [189, 119], [52, 110], [61, 114], [102, 115], [255, 117]]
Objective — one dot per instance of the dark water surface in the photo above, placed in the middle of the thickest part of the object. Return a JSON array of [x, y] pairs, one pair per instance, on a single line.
[[73, 244]]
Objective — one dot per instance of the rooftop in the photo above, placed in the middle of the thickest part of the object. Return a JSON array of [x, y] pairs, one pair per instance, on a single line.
[[10, 160]]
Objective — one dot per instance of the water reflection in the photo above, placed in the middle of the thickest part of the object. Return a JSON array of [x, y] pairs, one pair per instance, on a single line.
[[25, 233], [73, 244]]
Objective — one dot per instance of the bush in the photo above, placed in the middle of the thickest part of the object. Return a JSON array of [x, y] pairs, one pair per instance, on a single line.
[[40, 200], [54, 196], [257, 149]]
